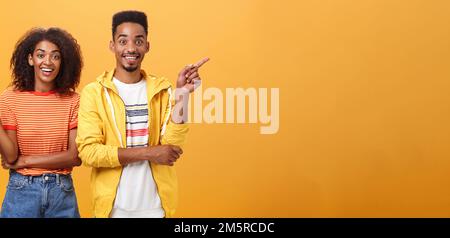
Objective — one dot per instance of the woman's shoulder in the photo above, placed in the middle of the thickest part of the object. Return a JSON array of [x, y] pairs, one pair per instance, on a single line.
[[72, 97], [9, 92], [75, 96]]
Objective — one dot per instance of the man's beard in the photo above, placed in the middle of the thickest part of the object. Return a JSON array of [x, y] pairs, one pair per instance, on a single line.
[[130, 69]]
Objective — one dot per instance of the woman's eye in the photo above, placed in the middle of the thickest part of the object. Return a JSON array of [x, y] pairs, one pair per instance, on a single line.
[[40, 56], [56, 57]]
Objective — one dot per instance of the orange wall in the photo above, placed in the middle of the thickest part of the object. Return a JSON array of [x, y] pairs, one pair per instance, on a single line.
[[364, 100]]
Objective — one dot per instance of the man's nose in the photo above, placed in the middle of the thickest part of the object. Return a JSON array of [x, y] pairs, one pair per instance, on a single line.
[[131, 48]]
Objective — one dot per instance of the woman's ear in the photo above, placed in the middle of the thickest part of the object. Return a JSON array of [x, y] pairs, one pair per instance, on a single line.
[[30, 60]]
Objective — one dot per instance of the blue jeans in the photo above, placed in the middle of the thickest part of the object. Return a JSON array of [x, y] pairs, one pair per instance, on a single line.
[[48, 195]]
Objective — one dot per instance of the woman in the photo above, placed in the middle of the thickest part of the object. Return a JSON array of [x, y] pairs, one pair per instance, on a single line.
[[38, 127]]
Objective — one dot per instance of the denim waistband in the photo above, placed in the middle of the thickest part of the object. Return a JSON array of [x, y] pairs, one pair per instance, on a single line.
[[43, 177]]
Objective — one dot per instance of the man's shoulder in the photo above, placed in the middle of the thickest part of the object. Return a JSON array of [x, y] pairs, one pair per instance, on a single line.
[[150, 76], [155, 77], [158, 81], [91, 87], [97, 83]]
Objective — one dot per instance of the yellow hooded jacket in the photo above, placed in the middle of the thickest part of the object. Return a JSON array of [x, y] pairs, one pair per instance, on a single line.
[[102, 130]]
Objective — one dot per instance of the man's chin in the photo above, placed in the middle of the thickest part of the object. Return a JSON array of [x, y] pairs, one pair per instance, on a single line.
[[130, 69]]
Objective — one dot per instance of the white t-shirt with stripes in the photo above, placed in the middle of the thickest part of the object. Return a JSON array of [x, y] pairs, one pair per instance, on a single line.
[[137, 194]]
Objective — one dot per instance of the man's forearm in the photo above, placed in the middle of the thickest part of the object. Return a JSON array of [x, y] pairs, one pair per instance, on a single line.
[[159, 154], [130, 155]]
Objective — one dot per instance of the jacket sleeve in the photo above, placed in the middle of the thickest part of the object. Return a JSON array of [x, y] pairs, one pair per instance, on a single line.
[[175, 134], [172, 133], [90, 137]]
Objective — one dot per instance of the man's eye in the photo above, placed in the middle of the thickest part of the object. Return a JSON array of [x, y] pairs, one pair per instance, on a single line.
[[139, 42], [122, 42]]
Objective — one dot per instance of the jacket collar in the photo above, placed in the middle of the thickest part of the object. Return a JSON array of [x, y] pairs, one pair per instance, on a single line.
[[154, 84]]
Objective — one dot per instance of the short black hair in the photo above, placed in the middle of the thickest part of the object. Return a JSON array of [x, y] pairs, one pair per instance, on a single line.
[[68, 77], [129, 16]]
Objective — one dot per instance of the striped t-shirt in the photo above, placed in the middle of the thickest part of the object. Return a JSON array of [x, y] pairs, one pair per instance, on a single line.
[[137, 124], [137, 194], [42, 122]]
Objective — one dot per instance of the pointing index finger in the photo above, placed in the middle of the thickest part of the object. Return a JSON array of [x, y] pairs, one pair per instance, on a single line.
[[201, 62]]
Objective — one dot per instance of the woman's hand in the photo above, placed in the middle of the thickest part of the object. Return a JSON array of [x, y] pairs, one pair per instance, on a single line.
[[19, 164]]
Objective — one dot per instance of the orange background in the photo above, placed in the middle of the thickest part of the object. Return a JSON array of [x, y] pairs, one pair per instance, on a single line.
[[364, 100]]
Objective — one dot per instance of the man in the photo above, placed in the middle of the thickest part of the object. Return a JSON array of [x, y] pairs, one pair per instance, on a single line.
[[129, 129]]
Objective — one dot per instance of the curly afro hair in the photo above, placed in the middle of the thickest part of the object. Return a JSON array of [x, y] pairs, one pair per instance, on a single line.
[[69, 74], [129, 16]]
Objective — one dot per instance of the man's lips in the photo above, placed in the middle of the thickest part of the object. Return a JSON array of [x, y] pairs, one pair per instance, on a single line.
[[131, 58]]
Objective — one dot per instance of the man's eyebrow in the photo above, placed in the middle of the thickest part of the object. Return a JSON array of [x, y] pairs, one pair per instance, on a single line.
[[122, 35], [140, 36]]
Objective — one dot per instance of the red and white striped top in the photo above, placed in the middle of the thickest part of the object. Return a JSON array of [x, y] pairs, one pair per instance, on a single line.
[[42, 122]]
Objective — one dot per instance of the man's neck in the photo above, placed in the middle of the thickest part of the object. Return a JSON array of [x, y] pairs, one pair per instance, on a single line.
[[127, 77]]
